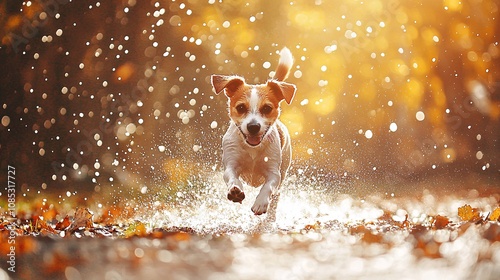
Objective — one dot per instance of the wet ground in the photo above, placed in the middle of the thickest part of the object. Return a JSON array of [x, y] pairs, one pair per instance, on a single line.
[[418, 233]]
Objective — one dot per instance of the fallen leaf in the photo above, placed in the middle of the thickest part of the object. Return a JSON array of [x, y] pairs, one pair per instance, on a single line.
[[42, 227], [63, 224], [315, 226], [495, 215], [440, 222], [83, 218], [468, 214], [136, 228]]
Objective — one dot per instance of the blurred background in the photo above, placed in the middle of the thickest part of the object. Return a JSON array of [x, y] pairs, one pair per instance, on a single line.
[[115, 95]]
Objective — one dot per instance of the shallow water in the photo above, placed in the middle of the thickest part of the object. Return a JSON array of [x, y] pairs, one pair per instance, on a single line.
[[316, 236]]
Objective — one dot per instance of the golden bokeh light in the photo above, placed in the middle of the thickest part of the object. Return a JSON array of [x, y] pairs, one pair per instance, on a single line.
[[375, 79]]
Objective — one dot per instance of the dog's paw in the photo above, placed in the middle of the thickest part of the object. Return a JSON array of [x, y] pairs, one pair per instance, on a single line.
[[260, 206], [235, 194]]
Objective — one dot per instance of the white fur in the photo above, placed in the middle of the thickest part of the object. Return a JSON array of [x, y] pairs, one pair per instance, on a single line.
[[254, 100], [286, 58], [256, 161], [254, 114], [265, 164]]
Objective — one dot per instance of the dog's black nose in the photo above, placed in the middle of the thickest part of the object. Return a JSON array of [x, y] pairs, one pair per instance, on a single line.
[[253, 128]]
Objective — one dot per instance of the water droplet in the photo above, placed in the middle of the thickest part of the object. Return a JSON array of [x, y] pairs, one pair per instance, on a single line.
[[393, 127], [420, 116], [368, 134], [479, 155], [297, 74]]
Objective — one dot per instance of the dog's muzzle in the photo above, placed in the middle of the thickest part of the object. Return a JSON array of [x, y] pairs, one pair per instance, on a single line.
[[253, 138]]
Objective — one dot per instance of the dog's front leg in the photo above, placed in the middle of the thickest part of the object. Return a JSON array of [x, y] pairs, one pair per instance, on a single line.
[[262, 201], [235, 192]]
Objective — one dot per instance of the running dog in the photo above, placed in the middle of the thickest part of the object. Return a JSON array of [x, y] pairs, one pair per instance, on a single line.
[[256, 146]]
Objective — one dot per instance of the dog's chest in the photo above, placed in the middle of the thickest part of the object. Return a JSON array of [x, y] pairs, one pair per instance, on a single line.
[[253, 153], [254, 166]]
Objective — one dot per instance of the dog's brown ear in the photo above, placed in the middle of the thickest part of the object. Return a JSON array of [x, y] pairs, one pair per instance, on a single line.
[[231, 83], [286, 91]]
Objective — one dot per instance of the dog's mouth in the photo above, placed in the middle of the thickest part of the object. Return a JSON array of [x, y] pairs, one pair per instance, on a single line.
[[253, 140]]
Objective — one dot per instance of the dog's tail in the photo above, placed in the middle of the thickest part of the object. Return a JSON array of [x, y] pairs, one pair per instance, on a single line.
[[284, 65]]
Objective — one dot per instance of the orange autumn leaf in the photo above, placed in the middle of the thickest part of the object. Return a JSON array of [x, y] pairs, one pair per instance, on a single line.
[[83, 219], [136, 229], [440, 222], [495, 215], [63, 224], [42, 227], [469, 214], [314, 226]]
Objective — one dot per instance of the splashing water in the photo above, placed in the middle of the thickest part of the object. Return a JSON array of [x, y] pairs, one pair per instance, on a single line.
[[207, 211]]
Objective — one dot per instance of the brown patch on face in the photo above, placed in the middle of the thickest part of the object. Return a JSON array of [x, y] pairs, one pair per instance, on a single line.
[[239, 103], [269, 103]]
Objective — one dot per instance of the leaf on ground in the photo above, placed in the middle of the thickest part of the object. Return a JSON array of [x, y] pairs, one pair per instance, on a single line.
[[63, 224], [42, 227], [83, 218], [469, 214], [495, 215], [440, 222], [314, 226], [136, 228]]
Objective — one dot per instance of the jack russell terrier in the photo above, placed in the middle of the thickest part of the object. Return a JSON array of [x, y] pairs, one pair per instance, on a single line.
[[256, 146]]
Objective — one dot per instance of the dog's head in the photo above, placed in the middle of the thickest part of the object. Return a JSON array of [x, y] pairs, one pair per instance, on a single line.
[[253, 108]]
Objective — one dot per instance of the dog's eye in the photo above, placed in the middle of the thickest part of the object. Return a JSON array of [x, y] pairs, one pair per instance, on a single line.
[[266, 109], [241, 109]]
